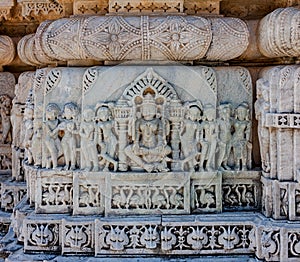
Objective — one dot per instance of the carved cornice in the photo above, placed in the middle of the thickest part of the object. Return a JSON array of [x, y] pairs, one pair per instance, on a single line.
[[5, 9], [116, 38]]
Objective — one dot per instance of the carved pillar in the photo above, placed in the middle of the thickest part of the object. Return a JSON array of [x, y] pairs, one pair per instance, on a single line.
[[122, 114], [176, 116], [280, 182]]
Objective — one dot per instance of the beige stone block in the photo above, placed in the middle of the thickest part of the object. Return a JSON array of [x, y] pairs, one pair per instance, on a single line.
[[11, 195], [206, 192], [241, 190], [193, 234], [135, 236], [54, 192], [269, 242], [42, 234], [294, 201], [77, 236], [145, 6], [285, 155], [141, 193], [267, 197], [89, 193], [90, 7], [280, 199]]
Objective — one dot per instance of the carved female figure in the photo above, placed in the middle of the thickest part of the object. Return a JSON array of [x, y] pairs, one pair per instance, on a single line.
[[106, 137], [5, 108], [68, 142], [189, 136], [225, 137], [89, 155], [51, 134], [262, 106], [241, 137], [149, 149], [208, 138]]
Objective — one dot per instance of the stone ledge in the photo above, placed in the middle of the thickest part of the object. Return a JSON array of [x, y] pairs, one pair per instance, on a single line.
[[249, 233]]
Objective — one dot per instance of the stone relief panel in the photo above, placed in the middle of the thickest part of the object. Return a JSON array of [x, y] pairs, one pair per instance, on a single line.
[[40, 235], [144, 124], [7, 83], [159, 193], [117, 38]]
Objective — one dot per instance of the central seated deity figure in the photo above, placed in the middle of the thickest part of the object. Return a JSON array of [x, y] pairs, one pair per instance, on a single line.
[[149, 149]]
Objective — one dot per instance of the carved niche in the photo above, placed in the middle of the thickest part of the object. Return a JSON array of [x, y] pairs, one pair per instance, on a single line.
[[182, 136]]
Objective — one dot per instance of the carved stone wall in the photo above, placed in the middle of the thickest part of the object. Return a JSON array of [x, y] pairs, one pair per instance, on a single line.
[[149, 157], [277, 110]]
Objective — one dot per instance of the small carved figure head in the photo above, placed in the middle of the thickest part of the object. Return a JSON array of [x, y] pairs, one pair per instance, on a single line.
[[242, 112], [209, 113], [70, 111], [88, 115], [52, 111], [225, 111], [104, 114], [193, 113], [148, 107]]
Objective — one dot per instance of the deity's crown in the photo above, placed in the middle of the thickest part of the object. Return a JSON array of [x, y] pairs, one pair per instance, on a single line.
[[149, 100]]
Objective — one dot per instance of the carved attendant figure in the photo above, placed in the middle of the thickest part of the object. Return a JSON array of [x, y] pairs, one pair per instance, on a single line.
[[51, 134], [5, 108], [241, 137], [149, 149], [262, 106], [68, 142], [89, 155], [225, 136], [208, 138], [189, 136], [106, 137]]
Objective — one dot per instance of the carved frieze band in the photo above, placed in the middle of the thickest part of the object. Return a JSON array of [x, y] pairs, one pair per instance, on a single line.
[[119, 38], [107, 193], [247, 234], [283, 120]]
